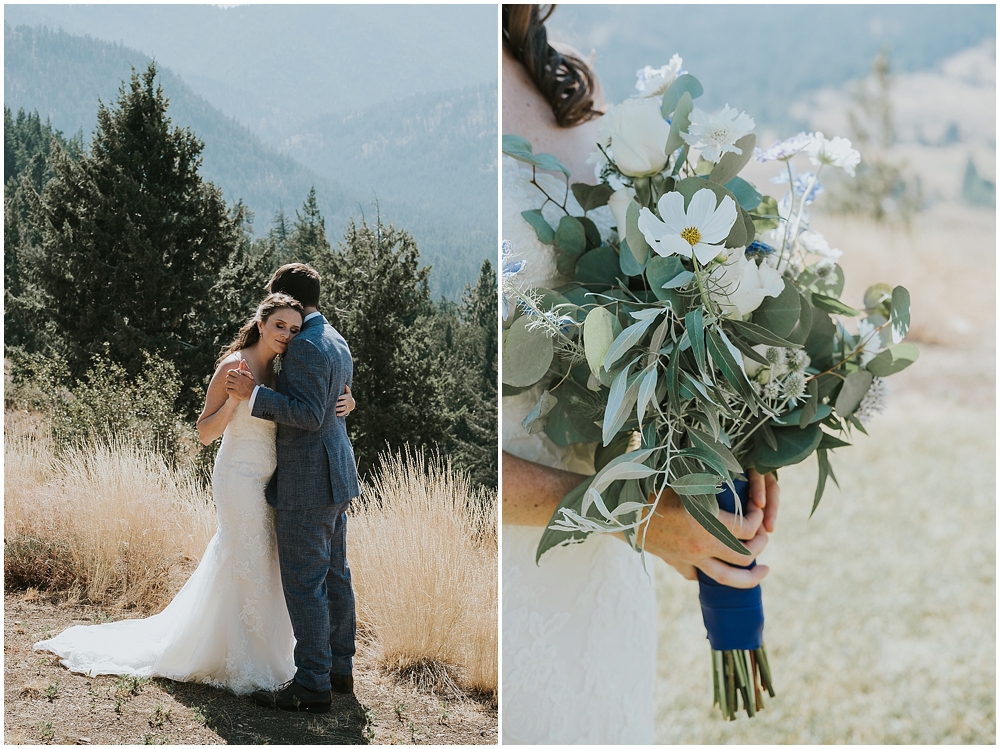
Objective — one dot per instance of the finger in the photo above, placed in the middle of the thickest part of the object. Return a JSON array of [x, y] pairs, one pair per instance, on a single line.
[[743, 527], [347, 389], [773, 502], [734, 577], [757, 493], [755, 546], [243, 366]]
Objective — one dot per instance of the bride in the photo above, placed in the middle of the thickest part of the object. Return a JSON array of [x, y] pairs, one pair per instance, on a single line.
[[562, 682], [228, 626]]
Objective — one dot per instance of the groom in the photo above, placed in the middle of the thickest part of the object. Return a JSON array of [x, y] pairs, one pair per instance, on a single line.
[[315, 480]]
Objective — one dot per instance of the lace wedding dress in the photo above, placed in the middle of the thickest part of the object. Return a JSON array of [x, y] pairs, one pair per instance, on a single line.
[[228, 626], [579, 629]]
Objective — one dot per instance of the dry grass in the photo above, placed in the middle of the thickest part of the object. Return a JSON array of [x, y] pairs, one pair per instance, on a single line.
[[423, 555]]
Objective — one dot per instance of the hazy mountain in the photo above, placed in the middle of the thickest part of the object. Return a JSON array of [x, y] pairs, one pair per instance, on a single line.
[[275, 66], [63, 76], [761, 58]]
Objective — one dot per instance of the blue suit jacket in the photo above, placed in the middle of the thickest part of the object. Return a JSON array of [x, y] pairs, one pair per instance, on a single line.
[[316, 464]]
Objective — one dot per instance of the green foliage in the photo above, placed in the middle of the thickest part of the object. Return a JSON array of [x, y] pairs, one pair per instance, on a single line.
[[307, 239]]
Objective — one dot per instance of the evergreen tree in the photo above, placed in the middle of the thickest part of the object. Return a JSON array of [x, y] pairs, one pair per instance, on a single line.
[[375, 294], [279, 234], [308, 238], [133, 242]]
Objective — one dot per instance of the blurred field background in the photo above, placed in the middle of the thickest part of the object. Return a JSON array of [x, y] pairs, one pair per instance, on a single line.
[[881, 609]]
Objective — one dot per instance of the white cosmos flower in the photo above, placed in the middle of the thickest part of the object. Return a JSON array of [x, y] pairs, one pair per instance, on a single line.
[[783, 150], [739, 285], [697, 231], [816, 243], [835, 152], [637, 134], [716, 134], [655, 81]]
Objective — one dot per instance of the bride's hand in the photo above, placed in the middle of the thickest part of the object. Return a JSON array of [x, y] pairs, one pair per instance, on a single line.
[[346, 402], [765, 493], [681, 542]]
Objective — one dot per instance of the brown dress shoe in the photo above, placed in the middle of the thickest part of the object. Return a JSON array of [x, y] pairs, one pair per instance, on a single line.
[[296, 698], [342, 683]]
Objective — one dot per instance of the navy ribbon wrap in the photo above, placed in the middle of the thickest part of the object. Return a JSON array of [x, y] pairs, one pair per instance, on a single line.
[[733, 617]]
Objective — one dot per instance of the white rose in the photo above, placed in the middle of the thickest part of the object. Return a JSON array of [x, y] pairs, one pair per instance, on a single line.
[[739, 285], [638, 135], [618, 203]]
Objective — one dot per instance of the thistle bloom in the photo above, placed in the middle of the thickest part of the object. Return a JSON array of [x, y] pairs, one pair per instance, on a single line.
[[717, 134], [835, 152], [874, 402], [655, 81], [783, 150], [696, 231]]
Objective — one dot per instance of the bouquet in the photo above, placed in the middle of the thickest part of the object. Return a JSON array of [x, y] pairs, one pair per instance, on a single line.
[[705, 337]]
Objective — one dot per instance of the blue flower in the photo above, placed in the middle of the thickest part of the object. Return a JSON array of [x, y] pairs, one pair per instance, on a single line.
[[759, 248], [509, 269]]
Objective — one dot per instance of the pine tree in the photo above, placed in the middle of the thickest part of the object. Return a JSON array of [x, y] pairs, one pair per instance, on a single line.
[[308, 238], [133, 243], [376, 295]]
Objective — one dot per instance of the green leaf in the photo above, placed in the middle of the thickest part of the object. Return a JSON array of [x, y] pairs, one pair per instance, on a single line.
[[647, 389], [759, 334], [708, 458], [819, 344], [700, 439], [568, 422], [793, 445], [551, 538], [591, 196], [694, 325], [811, 406], [731, 163], [765, 217], [626, 260], [598, 333], [697, 483], [900, 315], [520, 149], [704, 508], [894, 359], [833, 306], [570, 236], [746, 194], [680, 123], [781, 313], [795, 417], [852, 391], [538, 416], [605, 454], [730, 368], [591, 232], [745, 348], [526, 354], [637, 243], [659, 271], [673, 382], [824, 471], [684, 84], [621, 401], [800, 332], [598, 266], [543, 230], [626, 340], [829, 442]]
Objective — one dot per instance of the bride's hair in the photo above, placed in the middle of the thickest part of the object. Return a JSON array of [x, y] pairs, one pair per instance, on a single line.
[[249, 334], [566, 81]]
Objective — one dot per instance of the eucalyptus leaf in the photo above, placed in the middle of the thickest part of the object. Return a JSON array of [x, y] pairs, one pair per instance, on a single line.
[[526, 354], [731, 369], [852, 392], [894, 359], [696, 483], [694, 324], [591, 232], [793, 445], [604, 454], [551, 537], [637, 243], [621, 400], [704, 509], [810, 409], [765, 216], [900, 313], [679, 124], [731, 163], [591, 196], [681, 279], [829, 442], [520, 149], [833, 306], [781, 313], [626, 260], [538, 416], [627, 466], [800, 332], [598, 333], [824, 471], [703, 440], [759, 334], [598, 266], [627, 339], [647, 389], [795, 417], [746, 194], [570, 236], [543, 230], [683, 84]]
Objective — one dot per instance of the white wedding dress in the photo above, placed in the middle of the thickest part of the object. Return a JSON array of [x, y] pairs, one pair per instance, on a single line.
[[228, 626], [579, 629]]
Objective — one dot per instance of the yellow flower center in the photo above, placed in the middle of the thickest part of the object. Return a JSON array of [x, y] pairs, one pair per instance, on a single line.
[[691, 235]]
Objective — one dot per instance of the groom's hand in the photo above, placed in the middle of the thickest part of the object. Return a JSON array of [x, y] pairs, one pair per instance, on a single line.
[[240, 382]]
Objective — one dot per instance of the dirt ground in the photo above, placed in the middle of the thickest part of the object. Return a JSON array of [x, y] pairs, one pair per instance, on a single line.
[[46, 704]]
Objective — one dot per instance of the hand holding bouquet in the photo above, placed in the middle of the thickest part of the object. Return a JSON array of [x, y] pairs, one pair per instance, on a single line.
[[704, 338]]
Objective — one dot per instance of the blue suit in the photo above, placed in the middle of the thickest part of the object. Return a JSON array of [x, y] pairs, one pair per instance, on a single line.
[[311, 489]]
